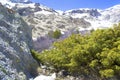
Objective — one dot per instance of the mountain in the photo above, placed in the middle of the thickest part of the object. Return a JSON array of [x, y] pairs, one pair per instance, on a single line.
[[16, 36], [77, 19], [112, 14], [16, 62], [96, 17], [12, 3], [43, 19]]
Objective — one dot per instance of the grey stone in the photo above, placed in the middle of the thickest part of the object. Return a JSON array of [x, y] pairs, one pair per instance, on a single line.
[[16, 62]]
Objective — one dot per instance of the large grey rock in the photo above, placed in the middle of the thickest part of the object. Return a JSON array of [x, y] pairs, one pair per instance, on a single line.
[[16, 62]]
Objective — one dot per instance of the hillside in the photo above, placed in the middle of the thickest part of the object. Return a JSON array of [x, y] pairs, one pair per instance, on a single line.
[[25, 25], [95, 56], [44, 19]]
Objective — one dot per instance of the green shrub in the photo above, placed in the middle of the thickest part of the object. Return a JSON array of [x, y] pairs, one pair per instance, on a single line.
[[107, 73], [55, 34], [95, 54]]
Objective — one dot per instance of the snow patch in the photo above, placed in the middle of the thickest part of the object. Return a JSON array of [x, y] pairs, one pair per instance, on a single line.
[[43, 77], [43, 12]]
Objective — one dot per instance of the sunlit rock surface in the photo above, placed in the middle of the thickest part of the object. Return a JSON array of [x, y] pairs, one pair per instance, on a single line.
[[16, 62]]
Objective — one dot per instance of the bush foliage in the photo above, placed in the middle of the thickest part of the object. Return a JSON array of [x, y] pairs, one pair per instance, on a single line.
[[55, 34], [97, 53]]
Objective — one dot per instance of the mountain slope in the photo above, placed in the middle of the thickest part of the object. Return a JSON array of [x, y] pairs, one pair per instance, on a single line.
[[44, 20], [16, 40], [97, 18], [78, 19]]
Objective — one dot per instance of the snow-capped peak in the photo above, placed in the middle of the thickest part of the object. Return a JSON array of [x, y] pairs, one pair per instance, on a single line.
[[7, 3], [114, 7], [19, 1], [12, 3], [26, 5]]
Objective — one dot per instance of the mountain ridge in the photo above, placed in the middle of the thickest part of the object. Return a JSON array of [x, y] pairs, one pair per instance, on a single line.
[[97, 18]]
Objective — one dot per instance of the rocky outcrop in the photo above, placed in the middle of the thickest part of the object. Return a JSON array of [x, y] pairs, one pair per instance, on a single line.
[[92, 12], [16, 62], [42, 24], [31, 8]]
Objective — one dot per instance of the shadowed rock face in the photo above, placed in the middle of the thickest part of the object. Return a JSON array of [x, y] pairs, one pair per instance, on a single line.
[[16, 62]]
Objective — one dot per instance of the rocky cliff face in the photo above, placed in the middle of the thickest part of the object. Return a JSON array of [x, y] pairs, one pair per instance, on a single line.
[[16, 62]]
